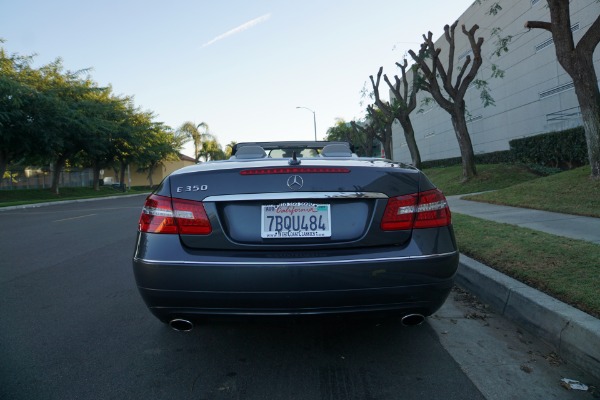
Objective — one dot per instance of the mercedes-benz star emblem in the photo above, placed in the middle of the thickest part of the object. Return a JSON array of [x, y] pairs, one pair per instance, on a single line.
[[295, 182]]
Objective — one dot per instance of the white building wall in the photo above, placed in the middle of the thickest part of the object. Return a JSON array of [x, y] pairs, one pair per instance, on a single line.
[[535, 95]]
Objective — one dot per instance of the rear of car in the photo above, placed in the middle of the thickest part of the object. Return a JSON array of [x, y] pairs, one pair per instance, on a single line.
[[329, 233]]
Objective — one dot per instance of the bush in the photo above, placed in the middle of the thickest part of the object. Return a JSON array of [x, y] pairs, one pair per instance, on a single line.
[[496, 157], [564, 149], [545, 154]]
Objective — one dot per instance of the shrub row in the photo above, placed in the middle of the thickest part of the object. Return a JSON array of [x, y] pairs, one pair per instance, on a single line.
[[555, 150], [564, 149], [495, 157]]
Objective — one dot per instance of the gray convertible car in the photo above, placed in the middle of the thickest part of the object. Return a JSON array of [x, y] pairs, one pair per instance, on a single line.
[[295, 228]]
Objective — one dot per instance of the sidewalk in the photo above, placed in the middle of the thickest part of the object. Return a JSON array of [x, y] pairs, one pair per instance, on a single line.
[[571, 226], [574, 334]]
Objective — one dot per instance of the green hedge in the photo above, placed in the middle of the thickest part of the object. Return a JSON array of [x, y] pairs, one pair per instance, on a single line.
[[564, 149], [547, 152], [496, 157]]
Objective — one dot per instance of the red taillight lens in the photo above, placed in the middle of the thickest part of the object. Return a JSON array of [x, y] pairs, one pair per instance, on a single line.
[[432, 210], [165, 215], [399, 213], [425, 210]]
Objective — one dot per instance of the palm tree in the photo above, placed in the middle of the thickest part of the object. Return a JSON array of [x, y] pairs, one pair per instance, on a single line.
[[198, 133], [211, 150], [229, 148]]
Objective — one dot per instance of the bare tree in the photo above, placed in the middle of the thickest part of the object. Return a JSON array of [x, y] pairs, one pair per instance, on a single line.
[[452, 100], [578, 62], [401, 106]]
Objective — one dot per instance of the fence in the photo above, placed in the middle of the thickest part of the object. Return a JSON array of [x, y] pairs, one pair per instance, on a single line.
[[15, 179]]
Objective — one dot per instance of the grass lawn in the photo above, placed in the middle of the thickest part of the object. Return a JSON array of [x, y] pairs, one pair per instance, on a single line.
[[569, 192], [566, 269], [489, 177], [31, 196]]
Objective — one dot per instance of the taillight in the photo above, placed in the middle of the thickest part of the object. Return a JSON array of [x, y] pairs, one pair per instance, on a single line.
[[425, 210], [176, 216], [432, 210]]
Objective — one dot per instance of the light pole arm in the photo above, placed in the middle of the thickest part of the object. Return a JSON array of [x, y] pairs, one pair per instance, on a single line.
[[314, 119]]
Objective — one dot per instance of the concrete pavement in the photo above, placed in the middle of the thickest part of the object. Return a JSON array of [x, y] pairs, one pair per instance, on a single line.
[[574, 334], [571, 226]]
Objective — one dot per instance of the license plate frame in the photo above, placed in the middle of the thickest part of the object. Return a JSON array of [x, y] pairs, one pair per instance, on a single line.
[[295, 220]]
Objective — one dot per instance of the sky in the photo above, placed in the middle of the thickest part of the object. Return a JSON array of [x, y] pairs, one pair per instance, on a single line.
[[241, 66]]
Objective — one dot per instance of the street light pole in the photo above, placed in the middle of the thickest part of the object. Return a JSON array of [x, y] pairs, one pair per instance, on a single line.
[[314, 120]]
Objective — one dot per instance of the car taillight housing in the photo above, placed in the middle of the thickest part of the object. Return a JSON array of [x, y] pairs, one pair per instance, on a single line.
[[416, 211], [174, 216]]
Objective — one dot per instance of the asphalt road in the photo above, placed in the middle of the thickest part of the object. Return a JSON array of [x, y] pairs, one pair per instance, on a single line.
[[73, 326]]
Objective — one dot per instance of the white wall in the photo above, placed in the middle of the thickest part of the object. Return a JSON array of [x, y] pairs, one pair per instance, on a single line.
[[535, 95]]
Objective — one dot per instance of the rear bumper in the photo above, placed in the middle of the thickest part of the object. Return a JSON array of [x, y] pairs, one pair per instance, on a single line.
[[388, 280]]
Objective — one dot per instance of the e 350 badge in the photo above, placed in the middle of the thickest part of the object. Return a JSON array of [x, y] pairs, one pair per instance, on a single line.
[[192, 188]]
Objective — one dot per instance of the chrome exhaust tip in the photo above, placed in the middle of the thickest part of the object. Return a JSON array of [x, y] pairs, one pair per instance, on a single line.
[[412, 319], [181, 325]]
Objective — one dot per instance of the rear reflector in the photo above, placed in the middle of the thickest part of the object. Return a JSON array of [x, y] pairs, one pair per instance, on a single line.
[[175, 216], [294, 170], [425, 210]]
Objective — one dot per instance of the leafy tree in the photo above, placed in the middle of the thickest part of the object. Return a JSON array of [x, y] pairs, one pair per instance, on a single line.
[[160, 144], [365, 134], [353, 133], [68, 119], [449, 91], [100, 152], [198, 133], [131, 137], [20, 109], [578, 62], [402, 104]]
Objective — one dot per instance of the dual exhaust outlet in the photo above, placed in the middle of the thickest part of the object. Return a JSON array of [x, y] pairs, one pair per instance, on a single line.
[[183, 325]]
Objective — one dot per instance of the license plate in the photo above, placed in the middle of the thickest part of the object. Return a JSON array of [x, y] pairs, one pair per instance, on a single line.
[[296, 220]]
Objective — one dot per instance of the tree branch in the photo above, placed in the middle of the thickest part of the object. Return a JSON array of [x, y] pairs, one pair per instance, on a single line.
[[538, 25]]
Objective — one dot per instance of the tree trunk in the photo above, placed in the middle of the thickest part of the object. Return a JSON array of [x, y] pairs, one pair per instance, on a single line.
[[389, 152], [3, 165], [590, 112], [58, 167], [151, 169], [464, 143], [123, 166], [409, 135], [588, 96], [96, 176]]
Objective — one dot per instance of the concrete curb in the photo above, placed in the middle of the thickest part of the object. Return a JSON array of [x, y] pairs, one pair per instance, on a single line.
[[53, 203], [574, 334]]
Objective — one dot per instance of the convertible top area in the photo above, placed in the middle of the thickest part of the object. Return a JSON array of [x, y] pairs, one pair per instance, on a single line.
[[286, 149]]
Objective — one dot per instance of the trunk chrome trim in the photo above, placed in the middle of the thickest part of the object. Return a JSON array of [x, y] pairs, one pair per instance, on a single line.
[[296, 195], [288, 263]]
